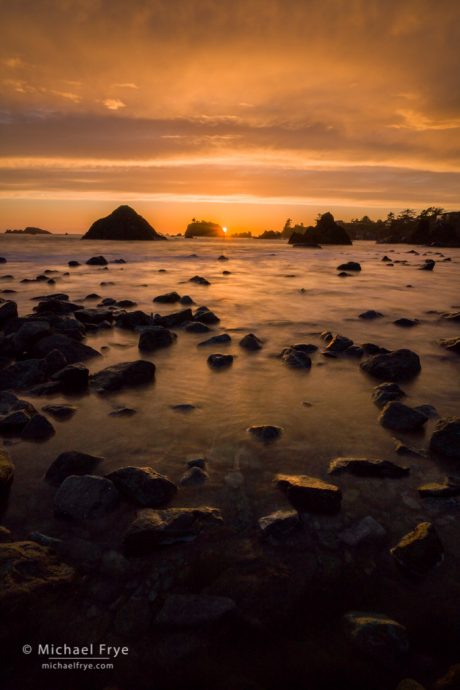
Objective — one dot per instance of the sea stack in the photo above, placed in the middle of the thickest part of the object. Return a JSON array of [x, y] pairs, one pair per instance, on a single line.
[[204, 228], [326, 231], [122, 224]]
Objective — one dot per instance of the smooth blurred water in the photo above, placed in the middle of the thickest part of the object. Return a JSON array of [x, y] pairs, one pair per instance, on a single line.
[[285, 295]]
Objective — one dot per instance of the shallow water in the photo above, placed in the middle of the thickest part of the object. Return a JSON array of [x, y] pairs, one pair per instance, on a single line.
[[283, 294]]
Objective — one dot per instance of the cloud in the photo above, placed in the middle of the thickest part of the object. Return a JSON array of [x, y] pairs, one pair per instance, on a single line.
[[113, 103]]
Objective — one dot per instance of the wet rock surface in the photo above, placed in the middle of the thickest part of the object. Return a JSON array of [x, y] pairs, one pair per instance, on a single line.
[[309, 493], [143, 486], [85, 497], [419, 551]]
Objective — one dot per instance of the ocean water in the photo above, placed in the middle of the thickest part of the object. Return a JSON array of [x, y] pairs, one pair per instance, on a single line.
[[284, 295]]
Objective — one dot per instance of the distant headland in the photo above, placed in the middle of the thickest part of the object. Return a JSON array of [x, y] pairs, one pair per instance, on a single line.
[[29, 230]]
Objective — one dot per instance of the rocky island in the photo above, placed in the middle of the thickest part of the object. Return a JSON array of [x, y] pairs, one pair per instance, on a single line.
[[122, 224], [29, 230], [204, 228], [326, 231]]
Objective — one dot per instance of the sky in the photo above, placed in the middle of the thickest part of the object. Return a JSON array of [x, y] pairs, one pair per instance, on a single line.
[[242, 112]]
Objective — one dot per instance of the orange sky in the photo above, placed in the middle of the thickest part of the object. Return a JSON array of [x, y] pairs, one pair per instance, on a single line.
[[244, 112]]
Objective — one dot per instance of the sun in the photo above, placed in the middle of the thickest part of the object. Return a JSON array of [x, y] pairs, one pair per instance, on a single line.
[[225, 229]]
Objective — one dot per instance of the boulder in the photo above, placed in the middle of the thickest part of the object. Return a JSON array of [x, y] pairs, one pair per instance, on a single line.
[[153, 529], [124, 375], [143, 486], [251, 342], [377, 635], [296, 358], [85, 497], [265, 432], [371, 314], [122, 224], [398, 365], [280, 525], [445, 440], [349, 266], [219, 361], [168, 298], [154, 337], [420, 550], [69, 463], [72, 350], [222, 339], [177, 318], [365, 467], [133, 320], [60, 412], [6, 470], [23, 374], [8, 311], [386, 392], [38, 428], [73, 378], [205, 315], [406, 323], [194, 476], [449, 487], [191, 610], [338, 343], [309, 493], [399, 417]]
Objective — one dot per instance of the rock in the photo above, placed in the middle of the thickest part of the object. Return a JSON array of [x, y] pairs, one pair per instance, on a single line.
[[154, 337], [219, 361], [143, 486], [56, 306], [124, 375], [122, 224], [6, 470], [387, 392], [97, 315], [222, 339], [451, 316], [364, 531], [186, 300], [69, 463], [197, 462], [8, 311], [206, 316], [23, 374], [326, 231], [339, 343], [377, 635], [73, 378], [386, 258], [398, 365], [28, 571], [72, 350], [371, 314], [28, 333], [451, 344], [296, 358], [60, 412], [222, 257], [402, 449], [344, 274], [174, 320], [349, 266], [451, 681], [251, 342], [97, 260], [85, 497], [196, 327], [265, 432], [364, 467], [445, 440], [5, 534], [399, 417], [12, 423], [126, 303], [73, 263], [309, 493], [38, 428], [183, 407], [428, 265], [406, 323], [199, 280], [168, 298], [449, 487], [280, 525], [420, 550], [191, 610], [429, 411], [133, 320], [156, 528], [409, 684], [122, 412], [194, 476]]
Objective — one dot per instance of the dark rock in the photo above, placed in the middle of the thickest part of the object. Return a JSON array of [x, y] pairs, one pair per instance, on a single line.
[[94, 316], [428, 265], [73, 263], [428, 410], [126, 374], [280, 525], [143, 486], [73, 351], [85, 497], [199, 280], [445, 489], [222, 257], [371, 314], [156, 528], [133, 320], [218, 361], [386, 258], [251, 342], [191, 610], [296, 358], [354, 351], [386, 392], [12, 423], [206, 316], [73, 378], [349, 266], [38, 428], [406, 323], [177, 318], [122, 412], [126, 303], [183, 407], [60, 412], [122, 224], [310, 494], [6, 470], [365, 467], [266, 432], [344, 274], [186, 300], [196, 327], [57, 306], [23, 374], [377, 636], [97, 261], [28, 334], [450, 681], [197, 462], [154, 337], [420, 550], [222, 339], [71, 463], [194, 476], [451, 344], [168, 298], [339, 343], [398, 365], [451, 316], [399, 417], [445, 440]]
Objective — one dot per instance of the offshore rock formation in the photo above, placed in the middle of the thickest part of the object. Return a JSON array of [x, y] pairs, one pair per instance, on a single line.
[[326, 231], [204, 228], [122, 224], [29, 230]]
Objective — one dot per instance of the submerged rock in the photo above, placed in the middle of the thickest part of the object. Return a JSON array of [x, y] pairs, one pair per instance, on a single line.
[[399, 417], [251, 342], [124, 375], [406, 323], [349, 266], [398, 365], [156, 528], [371, 314], [194, 476], [60, 412], [143, 486], [191, 610], [309, 493], [365, 467], [219, 361], [296, 358], [387, 392], [338, 343], [451, 344], [69, 463], [265, 432], [85, 497], [420, 550], [154, 337], [445, 440], [377, 635]]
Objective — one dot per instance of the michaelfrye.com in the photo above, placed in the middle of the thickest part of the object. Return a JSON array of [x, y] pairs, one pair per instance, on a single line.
[[89, 657]]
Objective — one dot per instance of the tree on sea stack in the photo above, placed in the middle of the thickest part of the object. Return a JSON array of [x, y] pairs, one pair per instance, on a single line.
[[122, 224]]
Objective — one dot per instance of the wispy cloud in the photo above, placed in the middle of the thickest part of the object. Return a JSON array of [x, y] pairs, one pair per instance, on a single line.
[[113, 103]]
